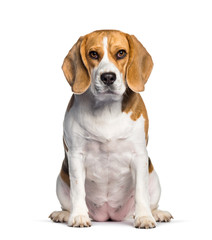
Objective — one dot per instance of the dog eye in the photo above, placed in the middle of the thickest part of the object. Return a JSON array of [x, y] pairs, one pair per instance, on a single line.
[[94, 55], [121, 54]]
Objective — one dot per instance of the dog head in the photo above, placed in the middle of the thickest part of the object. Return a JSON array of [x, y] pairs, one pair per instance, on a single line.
[[107, 62]]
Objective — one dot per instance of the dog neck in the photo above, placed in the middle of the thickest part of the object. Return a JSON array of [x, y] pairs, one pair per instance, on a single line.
[[106, 106]]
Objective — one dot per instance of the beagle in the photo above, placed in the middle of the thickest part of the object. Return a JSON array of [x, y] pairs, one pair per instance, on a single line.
[[106, 173]]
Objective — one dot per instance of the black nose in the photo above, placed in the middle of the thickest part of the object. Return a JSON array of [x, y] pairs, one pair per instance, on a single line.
[[108, 78]]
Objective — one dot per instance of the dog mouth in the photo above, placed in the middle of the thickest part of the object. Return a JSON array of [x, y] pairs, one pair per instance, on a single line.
[[107, 94], [109, 91]]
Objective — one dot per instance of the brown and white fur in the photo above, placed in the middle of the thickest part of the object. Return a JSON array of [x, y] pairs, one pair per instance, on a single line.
[[106, 173]]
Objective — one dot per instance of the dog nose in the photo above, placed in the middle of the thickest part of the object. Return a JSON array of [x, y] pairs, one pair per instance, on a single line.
[[108, 78]]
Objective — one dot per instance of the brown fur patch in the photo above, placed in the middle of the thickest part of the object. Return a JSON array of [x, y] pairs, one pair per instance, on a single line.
[[140, 65], [70, 104], [64, 173], [132, 102], [151, 168], [75, 67]]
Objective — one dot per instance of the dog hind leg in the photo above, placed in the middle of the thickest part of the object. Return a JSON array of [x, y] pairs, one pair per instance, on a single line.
[[64, 199], [154, 193]]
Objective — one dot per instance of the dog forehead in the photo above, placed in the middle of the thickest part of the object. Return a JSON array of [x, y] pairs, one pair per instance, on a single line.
[[117, 40], [114, 39], [94, 40]]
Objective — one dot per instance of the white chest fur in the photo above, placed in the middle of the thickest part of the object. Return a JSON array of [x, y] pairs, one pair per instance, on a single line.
[[108, 140], [108, 175]]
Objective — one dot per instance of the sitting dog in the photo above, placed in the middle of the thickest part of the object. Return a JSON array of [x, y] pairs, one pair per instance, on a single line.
[[106, 173]]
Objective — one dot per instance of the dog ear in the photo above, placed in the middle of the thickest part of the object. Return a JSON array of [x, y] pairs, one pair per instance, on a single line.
[[139, 66], [75, 67]]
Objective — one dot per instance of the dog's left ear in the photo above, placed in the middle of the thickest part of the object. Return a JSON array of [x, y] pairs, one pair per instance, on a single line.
[[139, 66], [75, 67]]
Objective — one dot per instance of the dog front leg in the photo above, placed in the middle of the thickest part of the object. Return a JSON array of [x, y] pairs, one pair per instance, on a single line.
[[143, 215], [79, 211]]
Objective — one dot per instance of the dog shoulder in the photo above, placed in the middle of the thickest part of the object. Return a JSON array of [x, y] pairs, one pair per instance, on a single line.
[[133, 105]]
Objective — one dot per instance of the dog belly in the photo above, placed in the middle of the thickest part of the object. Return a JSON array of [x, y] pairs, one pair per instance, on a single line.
[[109, 183], [105, 212]]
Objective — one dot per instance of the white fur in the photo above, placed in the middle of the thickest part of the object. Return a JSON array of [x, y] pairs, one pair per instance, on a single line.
[[106, 151]]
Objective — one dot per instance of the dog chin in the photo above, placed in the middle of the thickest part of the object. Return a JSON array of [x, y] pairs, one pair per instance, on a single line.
[[108, 95]]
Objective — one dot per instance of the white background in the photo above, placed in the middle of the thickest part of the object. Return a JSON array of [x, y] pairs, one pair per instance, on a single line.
[[35, 37]]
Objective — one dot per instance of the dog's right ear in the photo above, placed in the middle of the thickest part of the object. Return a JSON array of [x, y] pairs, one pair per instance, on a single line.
[[75, 67]]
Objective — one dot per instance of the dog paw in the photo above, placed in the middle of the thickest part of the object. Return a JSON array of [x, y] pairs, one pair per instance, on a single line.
[[79, 221], [59, 216], [161, 216], [145, 222]]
